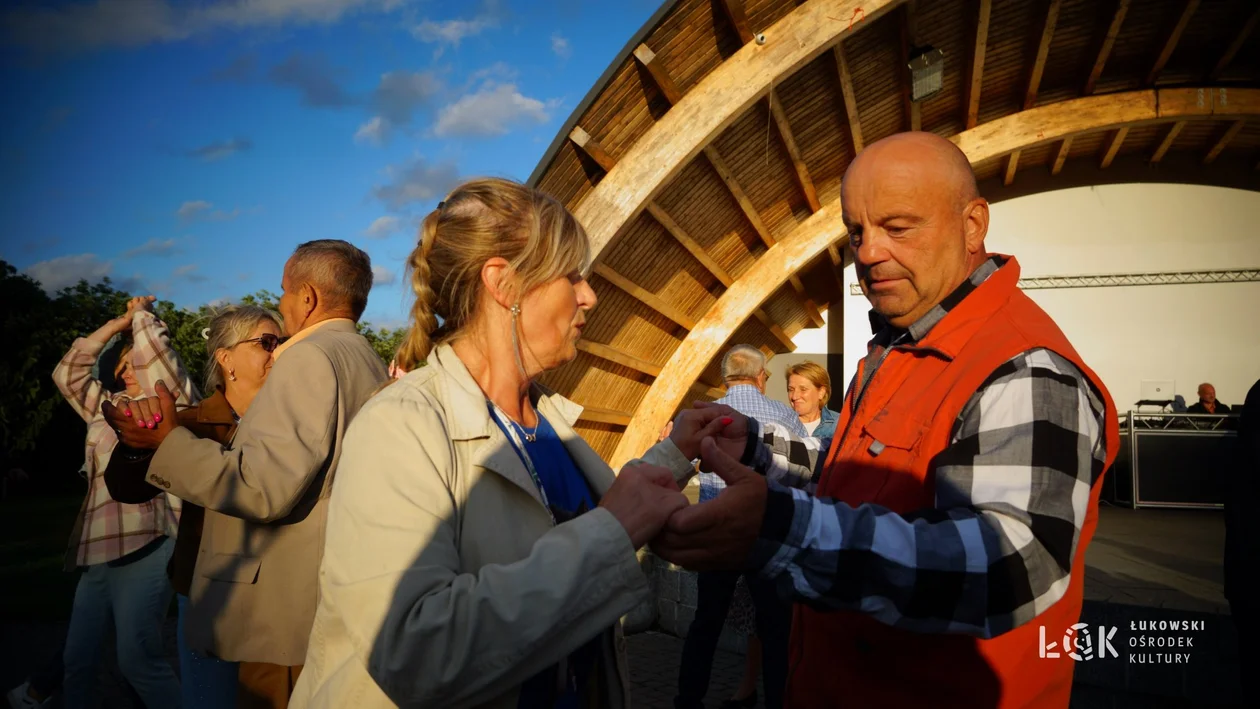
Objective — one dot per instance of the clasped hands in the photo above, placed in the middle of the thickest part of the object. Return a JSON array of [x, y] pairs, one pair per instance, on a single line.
[[645, 499], [717, 534], [143, 423]]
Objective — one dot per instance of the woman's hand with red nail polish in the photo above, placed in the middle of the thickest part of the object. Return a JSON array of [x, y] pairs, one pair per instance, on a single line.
[[719, 421]]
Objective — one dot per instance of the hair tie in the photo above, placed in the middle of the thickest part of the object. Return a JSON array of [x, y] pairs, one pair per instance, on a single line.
[[205, 334]]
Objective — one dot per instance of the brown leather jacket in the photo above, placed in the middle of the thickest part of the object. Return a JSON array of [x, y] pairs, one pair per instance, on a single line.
[[125, 477]]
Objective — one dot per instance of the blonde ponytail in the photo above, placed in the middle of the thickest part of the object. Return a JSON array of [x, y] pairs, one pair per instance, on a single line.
[[480, 220], [418, 343]]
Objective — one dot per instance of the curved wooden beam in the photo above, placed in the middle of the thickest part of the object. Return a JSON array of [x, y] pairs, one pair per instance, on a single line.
[[1054, 122], [1047, 124], [741, 300], [712, 105]]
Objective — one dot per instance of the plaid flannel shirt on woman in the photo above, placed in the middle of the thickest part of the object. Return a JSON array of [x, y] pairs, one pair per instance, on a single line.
[[108, 530]]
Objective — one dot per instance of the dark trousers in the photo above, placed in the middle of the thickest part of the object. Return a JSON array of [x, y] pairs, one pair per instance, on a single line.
[[774, 624]]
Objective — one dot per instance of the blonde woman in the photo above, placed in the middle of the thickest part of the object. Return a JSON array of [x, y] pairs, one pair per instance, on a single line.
[[809, 388], [240, 341], [121, 548], [478, 551]]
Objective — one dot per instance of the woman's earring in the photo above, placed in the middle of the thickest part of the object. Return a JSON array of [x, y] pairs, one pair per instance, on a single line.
[[232, 374]]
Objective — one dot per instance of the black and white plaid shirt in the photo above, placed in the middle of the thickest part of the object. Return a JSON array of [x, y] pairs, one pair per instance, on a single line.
[[995, 550]]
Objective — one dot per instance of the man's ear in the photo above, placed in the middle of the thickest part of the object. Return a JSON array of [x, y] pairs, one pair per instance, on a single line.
[[976, 224], [308, 299]]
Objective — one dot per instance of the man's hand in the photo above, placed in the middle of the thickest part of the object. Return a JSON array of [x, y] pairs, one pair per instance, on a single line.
[[642, 498], [725, 425], [143, 423], [717, 534]]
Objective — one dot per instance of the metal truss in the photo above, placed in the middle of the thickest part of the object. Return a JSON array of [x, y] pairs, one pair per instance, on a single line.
[[1107, 280], [1172, 422]]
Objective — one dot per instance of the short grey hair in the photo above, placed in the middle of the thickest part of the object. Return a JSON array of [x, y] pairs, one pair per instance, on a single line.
[[743, 362], [339, 270]]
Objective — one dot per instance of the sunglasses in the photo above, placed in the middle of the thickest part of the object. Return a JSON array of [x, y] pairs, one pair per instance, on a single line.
[[268, 342]]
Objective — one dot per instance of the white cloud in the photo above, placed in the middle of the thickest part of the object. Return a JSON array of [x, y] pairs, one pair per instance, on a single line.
[[188, 210], [492, 110], [221, 149], [101, 24], [373, 132], [153, 247], [189, 274], [560, 46], [382, 227], [382, 276], [315, 79], [451, 32], [200, 210], [416, 181], [400, 93], [396, 99], [65, 271], [498, 71]]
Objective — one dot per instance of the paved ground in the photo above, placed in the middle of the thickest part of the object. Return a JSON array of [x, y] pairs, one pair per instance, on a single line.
[[654, 659], [1153, 558], [653, 668], [1158, 558]]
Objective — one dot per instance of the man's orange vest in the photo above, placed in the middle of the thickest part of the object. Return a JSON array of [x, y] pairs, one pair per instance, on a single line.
[[849, 659]]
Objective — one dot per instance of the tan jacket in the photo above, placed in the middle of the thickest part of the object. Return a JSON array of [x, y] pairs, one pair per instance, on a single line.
[[254, 591], [444, 583]]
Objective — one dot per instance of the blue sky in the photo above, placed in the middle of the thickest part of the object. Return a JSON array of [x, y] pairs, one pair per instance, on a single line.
[[184, 148]]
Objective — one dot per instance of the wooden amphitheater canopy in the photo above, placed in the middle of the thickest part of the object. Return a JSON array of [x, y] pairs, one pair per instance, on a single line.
[[706, 162]]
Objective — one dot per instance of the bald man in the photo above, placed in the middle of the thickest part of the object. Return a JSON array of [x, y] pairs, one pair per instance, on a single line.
[[1207, 403], [936, 552]]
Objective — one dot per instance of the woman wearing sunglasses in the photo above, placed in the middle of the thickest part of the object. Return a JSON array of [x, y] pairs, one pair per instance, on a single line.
[[240, 341]]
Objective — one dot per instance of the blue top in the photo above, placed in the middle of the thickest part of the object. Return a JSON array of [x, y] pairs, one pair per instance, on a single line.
[[827, 424], [569, 496]]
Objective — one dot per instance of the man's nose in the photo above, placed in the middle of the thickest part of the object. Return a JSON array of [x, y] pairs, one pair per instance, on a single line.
[[870, 250]]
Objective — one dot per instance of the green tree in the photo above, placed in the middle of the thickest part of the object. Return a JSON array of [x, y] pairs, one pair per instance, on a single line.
[[30, 330], [36, 430], [385, 341], [265, 298]]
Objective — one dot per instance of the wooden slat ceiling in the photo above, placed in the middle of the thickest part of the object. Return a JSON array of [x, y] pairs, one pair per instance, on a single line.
[[744, 191]]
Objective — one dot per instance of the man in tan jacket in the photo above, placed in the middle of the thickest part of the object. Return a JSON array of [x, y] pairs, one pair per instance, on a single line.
[[255, 587]]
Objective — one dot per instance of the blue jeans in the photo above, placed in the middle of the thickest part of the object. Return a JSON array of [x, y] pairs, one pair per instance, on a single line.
[[208, 682], [135, 597]]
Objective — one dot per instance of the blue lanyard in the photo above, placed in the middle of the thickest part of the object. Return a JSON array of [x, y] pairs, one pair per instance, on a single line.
[[510, 427]]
